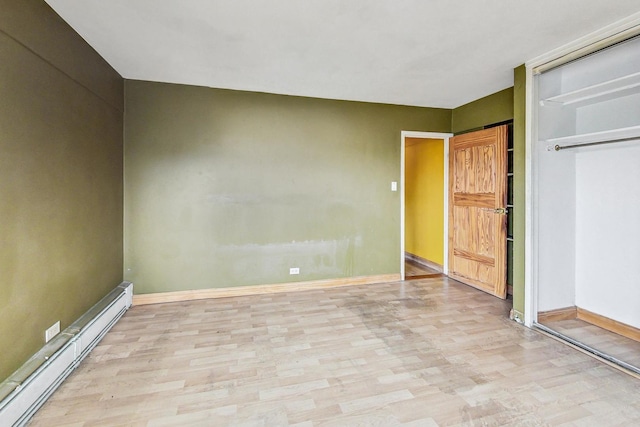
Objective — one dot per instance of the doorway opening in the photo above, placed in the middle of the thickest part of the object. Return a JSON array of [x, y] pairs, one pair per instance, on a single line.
[[424, 195]]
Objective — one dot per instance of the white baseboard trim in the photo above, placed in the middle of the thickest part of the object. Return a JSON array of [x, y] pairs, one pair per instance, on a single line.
[[31, 385]]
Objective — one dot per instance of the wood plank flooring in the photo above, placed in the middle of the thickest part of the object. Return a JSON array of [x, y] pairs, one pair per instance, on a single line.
[[622, 348], [413, 270], [429, 352]]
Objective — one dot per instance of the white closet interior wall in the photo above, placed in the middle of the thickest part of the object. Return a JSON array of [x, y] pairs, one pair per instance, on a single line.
[[588, 198]]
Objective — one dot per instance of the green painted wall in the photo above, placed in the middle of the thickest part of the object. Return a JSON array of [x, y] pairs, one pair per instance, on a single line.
[[494, 108], [519, 199], [226, 188], [61, 122]]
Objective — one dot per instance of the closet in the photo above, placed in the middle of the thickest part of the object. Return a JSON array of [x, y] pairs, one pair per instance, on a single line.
[[586, 198]]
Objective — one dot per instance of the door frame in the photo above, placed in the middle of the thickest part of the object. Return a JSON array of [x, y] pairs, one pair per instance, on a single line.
[[425, 135]]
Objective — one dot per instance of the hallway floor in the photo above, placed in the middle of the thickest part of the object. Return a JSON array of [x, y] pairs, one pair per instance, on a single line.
[[429, 352], [413, 270]]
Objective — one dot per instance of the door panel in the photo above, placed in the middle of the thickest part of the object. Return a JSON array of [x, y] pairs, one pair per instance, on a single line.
[[477, 225]]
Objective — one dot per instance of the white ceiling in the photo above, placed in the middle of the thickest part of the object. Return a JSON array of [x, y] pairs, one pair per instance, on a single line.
[[435, 53]]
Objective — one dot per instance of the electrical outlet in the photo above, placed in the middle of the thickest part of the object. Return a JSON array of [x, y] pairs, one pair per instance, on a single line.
[[294, 270], [52, 331]]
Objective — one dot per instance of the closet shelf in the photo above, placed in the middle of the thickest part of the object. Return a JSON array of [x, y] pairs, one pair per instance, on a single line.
[[592, 93], [607, 135]]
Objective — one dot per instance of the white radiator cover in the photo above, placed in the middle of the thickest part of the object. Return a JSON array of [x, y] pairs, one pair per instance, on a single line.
[[31, 385]]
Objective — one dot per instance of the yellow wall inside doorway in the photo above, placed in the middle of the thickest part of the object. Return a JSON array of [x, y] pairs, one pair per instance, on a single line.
[[424, 198]]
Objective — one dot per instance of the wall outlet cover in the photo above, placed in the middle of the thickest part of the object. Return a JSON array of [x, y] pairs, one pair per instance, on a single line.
[[294, 270], [52, 331]]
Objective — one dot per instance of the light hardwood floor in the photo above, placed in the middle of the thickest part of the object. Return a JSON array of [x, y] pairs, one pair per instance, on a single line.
[[414, 270], [622, 348], [428, 352]]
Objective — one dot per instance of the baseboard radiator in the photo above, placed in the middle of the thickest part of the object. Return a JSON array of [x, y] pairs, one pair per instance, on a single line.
[[31, 385]]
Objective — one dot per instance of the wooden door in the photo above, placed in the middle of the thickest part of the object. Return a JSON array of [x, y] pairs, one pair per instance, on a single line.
[[477, 214]]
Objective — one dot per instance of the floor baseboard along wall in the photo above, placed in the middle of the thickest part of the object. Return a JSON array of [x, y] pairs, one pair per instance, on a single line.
[[30, 386]]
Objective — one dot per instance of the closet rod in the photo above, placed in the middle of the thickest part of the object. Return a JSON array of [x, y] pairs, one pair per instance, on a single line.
[[589, 144]]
